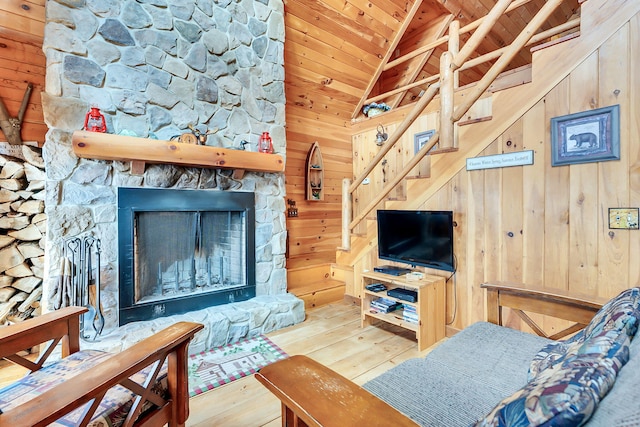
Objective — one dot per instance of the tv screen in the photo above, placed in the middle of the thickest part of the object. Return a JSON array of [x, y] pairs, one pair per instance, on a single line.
[[422, 238]]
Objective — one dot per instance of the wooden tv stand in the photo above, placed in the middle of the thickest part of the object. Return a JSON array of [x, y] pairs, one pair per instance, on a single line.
[[430, 306]]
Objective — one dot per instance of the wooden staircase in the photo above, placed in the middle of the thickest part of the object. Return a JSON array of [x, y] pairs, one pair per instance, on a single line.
[[600, 19]]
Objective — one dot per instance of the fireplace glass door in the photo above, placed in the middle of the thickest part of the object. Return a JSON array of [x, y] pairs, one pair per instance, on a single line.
[[182, 253]]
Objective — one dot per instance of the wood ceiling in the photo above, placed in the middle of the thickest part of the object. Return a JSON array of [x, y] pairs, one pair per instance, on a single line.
[[23, 18], [335, 48]]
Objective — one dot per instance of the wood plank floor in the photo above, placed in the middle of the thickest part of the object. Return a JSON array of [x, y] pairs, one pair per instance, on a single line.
[[331, 335]]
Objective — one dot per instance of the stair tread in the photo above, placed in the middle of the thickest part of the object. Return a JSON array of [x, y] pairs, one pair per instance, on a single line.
[[302, 262], [342, 266], [317, 286], [555, 42]]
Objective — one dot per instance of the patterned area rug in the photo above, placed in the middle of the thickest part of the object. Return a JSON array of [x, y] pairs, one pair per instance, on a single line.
[[221, 365]]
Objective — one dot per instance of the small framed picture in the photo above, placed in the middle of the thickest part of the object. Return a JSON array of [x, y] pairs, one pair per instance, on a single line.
[[623, 218], [420, 139], [588, 136]]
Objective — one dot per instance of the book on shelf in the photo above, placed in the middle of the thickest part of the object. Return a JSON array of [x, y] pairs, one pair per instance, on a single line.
[[384, 305], [409, 308], [410, 314], [410, 318]]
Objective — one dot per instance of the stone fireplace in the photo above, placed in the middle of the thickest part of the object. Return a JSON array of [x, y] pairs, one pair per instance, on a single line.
[[156, 69], [183, 250]]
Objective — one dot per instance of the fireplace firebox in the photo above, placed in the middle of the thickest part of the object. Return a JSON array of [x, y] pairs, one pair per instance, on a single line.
[[183, 250]]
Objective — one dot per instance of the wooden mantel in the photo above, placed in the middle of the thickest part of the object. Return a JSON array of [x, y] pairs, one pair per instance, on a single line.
[[104, 146]]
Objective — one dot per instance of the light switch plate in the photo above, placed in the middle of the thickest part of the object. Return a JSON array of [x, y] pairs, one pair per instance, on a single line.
[[623, 218]]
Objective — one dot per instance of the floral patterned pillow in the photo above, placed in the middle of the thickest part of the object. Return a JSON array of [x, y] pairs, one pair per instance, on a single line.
[[620, 313], [570, 378]]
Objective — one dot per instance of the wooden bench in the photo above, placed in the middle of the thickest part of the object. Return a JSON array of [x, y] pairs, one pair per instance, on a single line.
[[299, 380], [88, 388]]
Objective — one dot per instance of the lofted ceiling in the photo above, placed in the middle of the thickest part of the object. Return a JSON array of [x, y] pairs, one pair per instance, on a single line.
[[336, 51], [432, 22]]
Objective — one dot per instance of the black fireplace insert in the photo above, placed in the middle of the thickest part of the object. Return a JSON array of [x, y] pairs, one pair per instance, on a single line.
[[183, 250]]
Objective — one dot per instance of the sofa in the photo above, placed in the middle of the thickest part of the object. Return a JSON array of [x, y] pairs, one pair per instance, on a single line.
[[488, 374]]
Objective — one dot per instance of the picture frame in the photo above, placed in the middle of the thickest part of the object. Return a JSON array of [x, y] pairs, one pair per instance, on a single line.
[[588, 136], [623, 218], [421, 138]]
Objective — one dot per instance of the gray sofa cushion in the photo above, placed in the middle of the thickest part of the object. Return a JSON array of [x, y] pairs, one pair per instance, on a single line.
[[621, 407], [463, 378]]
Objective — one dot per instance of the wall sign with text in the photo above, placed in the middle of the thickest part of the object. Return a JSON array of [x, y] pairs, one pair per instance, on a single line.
[[500, 160]]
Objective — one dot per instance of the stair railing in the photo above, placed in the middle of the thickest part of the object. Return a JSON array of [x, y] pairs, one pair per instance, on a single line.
[[454, 61], [474, 62]]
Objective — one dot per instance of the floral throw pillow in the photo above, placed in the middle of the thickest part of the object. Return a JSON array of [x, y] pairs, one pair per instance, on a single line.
[[619, 314], [572, 377]]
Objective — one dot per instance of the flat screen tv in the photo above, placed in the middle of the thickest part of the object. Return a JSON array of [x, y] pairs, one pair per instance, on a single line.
[[422, 238]]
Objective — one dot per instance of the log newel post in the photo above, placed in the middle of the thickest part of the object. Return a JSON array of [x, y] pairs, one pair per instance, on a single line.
[[347, 208], [454, 48], [446, 101]]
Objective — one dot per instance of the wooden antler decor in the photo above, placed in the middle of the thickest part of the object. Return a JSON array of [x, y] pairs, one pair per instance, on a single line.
[[11, 126]]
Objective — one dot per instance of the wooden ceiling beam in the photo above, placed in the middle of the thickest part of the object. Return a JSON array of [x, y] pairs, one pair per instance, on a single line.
[[573, 24], [414, 66], [444, 39], [374, 79], [453, 6]]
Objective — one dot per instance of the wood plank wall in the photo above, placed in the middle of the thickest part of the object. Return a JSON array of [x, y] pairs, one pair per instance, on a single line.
[[314, 235], [545, 225], [21, 61], [319, 107]]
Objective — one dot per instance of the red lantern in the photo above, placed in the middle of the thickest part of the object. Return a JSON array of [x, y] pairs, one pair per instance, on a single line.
[[264, 143], [94, 121]]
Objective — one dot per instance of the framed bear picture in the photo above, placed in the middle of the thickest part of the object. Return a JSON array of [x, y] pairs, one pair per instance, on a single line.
[[588, 136]]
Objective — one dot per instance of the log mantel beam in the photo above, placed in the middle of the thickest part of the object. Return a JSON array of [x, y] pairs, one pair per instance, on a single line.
[[104, 146]]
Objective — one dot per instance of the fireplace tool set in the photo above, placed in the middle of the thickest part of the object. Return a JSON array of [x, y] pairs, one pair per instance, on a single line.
[[80, 286]]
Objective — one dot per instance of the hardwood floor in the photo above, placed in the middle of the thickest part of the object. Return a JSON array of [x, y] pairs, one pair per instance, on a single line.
[[331, 335]]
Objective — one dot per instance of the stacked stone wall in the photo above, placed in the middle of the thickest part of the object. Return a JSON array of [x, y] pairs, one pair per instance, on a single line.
[[155, 68]]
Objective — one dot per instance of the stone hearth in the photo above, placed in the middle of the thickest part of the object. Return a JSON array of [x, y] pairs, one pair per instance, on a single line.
[[223, 324]]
